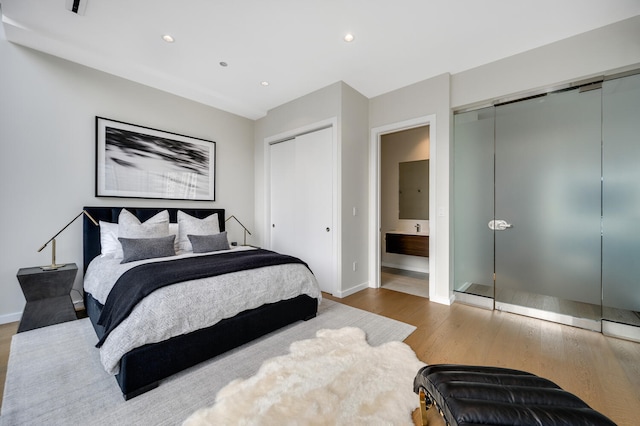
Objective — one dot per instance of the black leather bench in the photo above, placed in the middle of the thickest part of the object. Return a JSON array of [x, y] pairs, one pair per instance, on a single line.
[[475, 395]]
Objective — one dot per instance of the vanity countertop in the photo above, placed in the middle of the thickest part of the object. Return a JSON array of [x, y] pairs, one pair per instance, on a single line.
[[421, 233]]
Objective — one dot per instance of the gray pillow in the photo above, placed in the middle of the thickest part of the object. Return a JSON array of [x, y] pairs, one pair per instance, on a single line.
[[207, 243], [147, 248]]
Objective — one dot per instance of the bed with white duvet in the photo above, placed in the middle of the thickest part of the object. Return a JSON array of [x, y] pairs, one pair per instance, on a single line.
[[159, 305]]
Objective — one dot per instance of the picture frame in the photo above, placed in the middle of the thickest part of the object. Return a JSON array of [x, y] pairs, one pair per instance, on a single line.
[[140, 162]]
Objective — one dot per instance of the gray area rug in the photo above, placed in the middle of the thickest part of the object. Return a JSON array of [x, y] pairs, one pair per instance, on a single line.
[[55, 377]]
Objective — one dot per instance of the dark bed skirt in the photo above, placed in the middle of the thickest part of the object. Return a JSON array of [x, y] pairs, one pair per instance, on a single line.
[[143, 368]]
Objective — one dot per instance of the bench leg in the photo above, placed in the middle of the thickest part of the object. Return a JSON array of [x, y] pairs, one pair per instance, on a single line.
[[424, 406]]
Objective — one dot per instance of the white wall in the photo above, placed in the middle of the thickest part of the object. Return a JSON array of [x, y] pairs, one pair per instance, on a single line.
[[47, 109], [348, 108], [315, 107], [47, 155], [354, 121], [586, 55], [427, 98], [605, 50]]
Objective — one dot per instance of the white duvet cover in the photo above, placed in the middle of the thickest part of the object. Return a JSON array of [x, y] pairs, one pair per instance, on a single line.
[[191, 305]]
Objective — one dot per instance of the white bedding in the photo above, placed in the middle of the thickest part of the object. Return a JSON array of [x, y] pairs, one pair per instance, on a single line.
[[181, 308]]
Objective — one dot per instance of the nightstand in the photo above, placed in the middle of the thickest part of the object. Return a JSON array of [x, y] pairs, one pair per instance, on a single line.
[[48, 296]]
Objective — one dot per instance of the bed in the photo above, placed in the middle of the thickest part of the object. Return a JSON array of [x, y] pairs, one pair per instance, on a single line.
[[141, 368]]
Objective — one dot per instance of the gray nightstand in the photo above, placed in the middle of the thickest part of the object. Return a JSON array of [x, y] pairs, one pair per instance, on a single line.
[[48, 296]]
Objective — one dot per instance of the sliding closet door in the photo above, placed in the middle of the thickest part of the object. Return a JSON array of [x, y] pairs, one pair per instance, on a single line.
[[548, 193], [302, 202], [315, 203], [621, 204], [283, 207]]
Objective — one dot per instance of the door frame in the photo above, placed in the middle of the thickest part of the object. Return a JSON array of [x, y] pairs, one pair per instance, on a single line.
[[336, 190], [374, 196]]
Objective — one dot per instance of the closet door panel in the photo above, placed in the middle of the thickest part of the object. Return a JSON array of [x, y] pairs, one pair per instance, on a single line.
[[315, 203], [302, 202], [283, 205]]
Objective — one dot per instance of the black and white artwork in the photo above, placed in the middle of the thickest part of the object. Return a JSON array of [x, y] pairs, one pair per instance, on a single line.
[[140, 162]]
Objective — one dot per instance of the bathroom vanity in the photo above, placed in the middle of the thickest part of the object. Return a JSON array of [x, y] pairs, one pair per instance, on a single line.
[[415, 244]]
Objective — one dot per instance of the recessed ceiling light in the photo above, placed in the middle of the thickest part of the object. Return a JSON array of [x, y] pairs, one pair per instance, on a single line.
[[349, 37], [264, 83], [168, 38], [223, 64]]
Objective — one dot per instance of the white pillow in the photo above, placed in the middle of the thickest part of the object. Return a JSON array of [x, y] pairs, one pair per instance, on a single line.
[[173, 230], [109, 243], [130, 227], [189, 225]]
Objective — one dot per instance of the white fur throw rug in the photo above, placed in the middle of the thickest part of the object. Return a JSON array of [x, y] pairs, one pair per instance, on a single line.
[[333, 379]]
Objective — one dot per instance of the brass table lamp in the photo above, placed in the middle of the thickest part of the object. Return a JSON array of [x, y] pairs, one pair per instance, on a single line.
[[52, 240], [246, 231]]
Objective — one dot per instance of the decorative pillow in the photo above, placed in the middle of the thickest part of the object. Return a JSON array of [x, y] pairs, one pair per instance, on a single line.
[[109, 243], [207, 243], [189, 225], [147, 248], [173, 230], [129, 226]]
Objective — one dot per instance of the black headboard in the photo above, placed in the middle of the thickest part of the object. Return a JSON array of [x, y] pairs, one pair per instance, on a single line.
[[91, 233]]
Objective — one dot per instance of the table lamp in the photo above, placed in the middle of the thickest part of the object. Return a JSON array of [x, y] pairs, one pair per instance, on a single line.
[[52, 240], [246, 231]]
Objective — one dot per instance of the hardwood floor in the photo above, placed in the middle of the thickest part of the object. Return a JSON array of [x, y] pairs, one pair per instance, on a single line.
[[6, 332], [603, 371]]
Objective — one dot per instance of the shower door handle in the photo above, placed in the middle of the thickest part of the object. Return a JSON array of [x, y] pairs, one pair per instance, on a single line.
[[499, 225]]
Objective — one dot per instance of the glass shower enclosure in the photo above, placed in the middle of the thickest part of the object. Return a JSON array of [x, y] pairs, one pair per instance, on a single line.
[[547, 206]]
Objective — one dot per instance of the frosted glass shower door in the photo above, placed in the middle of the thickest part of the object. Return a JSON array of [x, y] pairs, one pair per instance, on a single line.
[[548, 192], [473, 204], [621, 201]]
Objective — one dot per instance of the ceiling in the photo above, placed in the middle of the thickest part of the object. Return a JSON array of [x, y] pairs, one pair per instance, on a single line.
[[295, 45]]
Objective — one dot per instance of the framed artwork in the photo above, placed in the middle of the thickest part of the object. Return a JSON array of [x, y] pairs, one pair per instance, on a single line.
[[140, 162]]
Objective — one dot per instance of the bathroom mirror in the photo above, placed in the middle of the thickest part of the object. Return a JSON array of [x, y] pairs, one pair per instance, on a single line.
[[414, 190]]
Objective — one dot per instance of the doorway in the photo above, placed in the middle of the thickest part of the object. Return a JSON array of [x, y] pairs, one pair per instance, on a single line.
[[411, 272], [404, 210]]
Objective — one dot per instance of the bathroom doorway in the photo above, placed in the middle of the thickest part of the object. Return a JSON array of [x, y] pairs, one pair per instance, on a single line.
[[404, 210]]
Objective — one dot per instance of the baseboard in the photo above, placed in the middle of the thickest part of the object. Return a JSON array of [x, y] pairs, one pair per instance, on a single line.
[[6, 319], [352, 290], [621, 331], [443, 300], [17, 316], [586, 323], [473, 300], [464, 287]]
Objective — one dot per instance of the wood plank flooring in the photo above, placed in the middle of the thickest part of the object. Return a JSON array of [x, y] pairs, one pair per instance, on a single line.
[[6, 332], [603, 371]]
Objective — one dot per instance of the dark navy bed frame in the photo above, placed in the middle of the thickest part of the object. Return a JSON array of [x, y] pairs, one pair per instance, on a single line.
[[143, 368]]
